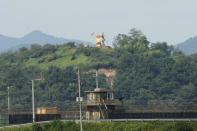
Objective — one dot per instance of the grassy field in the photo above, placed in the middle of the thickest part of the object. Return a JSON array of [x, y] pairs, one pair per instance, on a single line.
[[3, 125], [63, 59], [111, 126]]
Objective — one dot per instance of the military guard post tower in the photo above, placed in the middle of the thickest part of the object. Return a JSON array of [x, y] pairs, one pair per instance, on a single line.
[[100, 102], [100, 41]]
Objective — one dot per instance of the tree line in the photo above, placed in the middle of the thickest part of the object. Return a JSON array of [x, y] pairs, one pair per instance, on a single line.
[[145, 71]]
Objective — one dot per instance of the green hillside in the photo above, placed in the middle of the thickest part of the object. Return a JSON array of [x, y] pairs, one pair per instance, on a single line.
[[145, 72], [61, 56]]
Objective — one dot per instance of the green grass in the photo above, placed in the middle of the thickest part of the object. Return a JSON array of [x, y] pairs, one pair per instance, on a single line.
[[2, 124], [64, 59], [111, 126]]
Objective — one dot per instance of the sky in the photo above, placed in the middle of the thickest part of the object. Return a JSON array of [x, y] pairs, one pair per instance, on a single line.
[[172, 21]]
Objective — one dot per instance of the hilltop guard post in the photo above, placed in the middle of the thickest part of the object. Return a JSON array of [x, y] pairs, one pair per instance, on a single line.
[[100, 41]]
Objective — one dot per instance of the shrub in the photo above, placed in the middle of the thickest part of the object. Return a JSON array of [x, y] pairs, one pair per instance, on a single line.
[[73, 57], [183, 126], [71, 126], [46, 127], [36, 127], [56, 125]]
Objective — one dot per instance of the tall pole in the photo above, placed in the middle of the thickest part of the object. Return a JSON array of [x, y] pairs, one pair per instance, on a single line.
[[8, 100], [96, 79], [81, 128], [33, 104]]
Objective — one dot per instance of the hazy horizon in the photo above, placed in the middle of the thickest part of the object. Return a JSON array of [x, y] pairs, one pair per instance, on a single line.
[[170, 21]]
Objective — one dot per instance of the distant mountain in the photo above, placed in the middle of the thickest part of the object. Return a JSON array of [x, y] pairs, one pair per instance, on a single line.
[[11, 43], [189, 46]]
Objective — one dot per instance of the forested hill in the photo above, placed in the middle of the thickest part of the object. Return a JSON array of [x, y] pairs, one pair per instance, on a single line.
[[13, 44], [145, 71], [189, 46]]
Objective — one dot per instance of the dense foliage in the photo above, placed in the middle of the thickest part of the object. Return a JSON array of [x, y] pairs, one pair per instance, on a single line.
[[145, 71], [155, 72], [110, 126]]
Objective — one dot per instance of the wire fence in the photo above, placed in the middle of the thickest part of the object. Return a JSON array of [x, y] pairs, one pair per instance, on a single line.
[[64, 107], [161, 106]]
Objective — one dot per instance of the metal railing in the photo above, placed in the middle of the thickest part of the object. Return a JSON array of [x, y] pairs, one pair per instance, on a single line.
[[107, 102]]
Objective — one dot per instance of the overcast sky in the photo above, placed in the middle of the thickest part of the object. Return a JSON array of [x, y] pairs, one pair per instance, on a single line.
[[172, 21]]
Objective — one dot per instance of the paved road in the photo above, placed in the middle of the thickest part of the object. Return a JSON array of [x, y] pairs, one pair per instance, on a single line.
[[108, 120], [140, 120]]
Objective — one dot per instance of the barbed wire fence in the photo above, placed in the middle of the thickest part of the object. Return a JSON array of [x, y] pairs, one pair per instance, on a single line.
[[128, 106], [70, 109]]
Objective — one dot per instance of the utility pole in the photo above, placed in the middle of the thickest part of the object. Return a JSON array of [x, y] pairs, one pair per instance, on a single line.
[[33, 104], [81, 128], [8, 101], [96, 79]]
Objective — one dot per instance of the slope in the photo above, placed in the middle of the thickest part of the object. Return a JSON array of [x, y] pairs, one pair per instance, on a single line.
[[13, 44], [189, 46]]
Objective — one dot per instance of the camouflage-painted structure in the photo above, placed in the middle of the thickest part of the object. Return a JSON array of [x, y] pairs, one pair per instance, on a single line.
[[100, 102]]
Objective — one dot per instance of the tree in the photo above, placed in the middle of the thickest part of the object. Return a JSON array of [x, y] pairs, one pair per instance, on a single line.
[[135, 34], [71, 44], [124, 39], [162, 46], [35, 47], [23, 49]]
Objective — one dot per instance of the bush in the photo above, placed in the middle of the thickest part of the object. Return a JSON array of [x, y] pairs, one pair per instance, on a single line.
[[73, 57], [183, 126], [71, 44], [56, 125], [46, 127], [71, 126], [36, 127]]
